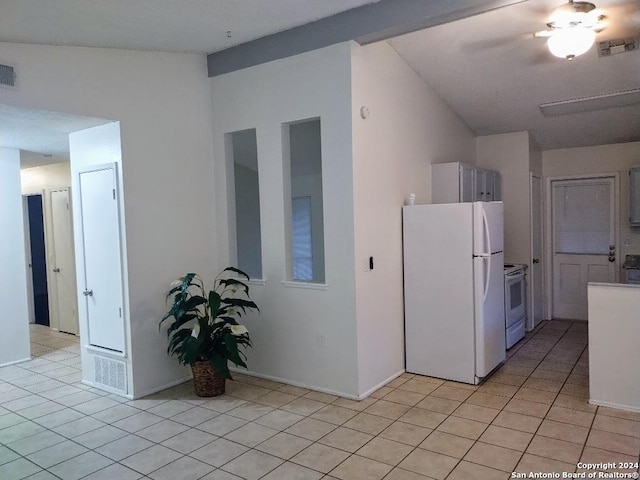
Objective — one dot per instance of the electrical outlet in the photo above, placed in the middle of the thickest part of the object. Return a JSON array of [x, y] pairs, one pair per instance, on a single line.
[[321, 340]]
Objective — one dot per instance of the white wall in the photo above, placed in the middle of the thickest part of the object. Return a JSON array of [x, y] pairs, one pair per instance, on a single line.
[[43, 180], [14, 341], [36, 179], [408, 128], [618, 157], [614, 357], [304, 336], [161, 101], [508, 153], [91, 147]]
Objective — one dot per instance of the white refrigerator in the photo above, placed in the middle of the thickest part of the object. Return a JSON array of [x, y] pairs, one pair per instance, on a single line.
[[454, 289]]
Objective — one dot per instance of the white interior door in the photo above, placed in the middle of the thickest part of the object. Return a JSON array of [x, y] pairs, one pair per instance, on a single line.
[[535, 269], [584, 241], [103, 293], [64, 265]]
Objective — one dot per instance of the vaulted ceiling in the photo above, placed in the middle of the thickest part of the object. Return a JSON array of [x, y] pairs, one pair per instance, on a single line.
[[488, 67]]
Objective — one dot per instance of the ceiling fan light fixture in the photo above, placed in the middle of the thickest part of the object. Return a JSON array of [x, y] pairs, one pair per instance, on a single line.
[[571, 42], [574, 14]]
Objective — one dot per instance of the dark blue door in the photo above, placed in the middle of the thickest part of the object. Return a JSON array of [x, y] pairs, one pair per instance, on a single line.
[[38, 259]]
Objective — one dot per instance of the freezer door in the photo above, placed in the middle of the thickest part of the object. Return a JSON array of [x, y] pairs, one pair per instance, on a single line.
[[489, 317], [488, 228]]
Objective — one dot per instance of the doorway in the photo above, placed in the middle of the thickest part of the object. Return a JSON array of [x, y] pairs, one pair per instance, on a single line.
[[39, 295], [535, 274], [584, 213], [64, 281]]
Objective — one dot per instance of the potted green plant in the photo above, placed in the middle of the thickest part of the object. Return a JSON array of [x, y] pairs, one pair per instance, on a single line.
[[205, 332]]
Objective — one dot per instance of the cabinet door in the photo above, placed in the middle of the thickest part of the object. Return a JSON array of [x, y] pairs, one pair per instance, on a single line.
[[445, 183], [467, 193], [497, 187], [489, 186], [634, 196], [479, 194]]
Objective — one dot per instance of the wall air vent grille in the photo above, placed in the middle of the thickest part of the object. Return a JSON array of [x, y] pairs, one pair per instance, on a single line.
[[7, 76], [619, 45], [110, 373]]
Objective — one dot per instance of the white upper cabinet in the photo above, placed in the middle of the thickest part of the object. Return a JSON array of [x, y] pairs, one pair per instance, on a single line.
[[634, 197], [466, 187], [457, 182]]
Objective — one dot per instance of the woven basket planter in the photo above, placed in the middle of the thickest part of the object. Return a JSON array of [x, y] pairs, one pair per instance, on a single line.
[[206, 381]]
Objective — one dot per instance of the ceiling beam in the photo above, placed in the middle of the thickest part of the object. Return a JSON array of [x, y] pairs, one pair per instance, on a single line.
[[366, 24]]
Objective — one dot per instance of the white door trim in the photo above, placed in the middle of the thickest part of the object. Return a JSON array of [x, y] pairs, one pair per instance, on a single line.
[[80, 256], [548, 236], [531, 306]]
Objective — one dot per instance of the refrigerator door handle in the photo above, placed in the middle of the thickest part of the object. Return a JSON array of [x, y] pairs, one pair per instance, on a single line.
[[488, 276], [485, 227]]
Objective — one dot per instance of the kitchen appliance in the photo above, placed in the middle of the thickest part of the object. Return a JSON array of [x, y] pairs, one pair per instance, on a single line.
[[514, 303], [454, 289], [631, 268]]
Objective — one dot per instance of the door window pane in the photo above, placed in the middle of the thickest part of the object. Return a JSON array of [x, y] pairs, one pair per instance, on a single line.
[[582, 217]]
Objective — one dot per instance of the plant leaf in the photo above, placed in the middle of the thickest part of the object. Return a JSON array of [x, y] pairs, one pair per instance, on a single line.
[[231, 344], [220, 365], [232, 282], [241, 303], [237, 271], [214, 303]]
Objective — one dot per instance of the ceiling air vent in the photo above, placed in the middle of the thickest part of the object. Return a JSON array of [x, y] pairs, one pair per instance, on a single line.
[[619, 45], [7, 76]]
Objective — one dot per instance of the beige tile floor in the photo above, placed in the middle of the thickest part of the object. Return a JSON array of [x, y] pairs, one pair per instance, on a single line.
[[532, 415]]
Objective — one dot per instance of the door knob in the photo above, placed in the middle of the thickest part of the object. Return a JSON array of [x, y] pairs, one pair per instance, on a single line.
[[56, 270], [88, 293], [612, 258], [536, 260], [612, 248]]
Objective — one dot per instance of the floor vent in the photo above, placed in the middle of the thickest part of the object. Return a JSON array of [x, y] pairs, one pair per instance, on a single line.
[[7, 76], [110, 373]]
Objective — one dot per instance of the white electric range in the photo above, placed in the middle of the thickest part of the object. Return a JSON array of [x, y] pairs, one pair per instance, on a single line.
[[514, 302]]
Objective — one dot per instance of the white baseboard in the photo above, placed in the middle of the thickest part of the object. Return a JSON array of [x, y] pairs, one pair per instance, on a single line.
[[350, 396], [381, 384], [617, 406], [142, 394], [151, 391], [16, 361]]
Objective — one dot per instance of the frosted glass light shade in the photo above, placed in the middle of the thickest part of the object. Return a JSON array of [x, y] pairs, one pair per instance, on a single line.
[[571, 42]]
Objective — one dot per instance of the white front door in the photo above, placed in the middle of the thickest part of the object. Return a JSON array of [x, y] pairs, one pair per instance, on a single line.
[[584, 241], [102, 282], [535, 271], [64, 276]]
